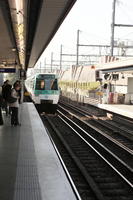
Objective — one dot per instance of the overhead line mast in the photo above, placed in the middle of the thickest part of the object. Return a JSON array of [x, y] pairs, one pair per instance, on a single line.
[[113, 27]]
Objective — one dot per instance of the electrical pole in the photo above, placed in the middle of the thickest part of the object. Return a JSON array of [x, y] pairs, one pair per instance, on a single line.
[[44, 64], [40, 66], [51, 60], [112, 28], [77, 53], [61, 57]]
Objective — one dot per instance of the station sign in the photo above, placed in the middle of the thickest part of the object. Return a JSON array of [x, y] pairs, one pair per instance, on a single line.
[[23, 74], [7, 70]]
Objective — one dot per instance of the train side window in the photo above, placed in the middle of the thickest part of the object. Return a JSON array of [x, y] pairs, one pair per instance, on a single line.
[[32, 83], [37, 84]]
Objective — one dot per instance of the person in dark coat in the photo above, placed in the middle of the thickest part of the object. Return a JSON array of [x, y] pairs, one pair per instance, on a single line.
[[1, 101], [6, 88]]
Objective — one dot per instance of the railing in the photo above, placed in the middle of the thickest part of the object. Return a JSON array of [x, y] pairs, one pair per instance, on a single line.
[[92, 98]]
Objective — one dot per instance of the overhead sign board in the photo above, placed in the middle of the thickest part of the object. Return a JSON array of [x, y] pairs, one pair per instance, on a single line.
[[7, 70], [23, 74]]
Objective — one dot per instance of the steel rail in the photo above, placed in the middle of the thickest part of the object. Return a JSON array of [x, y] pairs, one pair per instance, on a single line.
[[120, 174]]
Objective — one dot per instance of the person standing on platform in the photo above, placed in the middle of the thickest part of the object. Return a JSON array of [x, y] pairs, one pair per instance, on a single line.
[[5, 91], [14, 106], [1, 101], [19, 91]]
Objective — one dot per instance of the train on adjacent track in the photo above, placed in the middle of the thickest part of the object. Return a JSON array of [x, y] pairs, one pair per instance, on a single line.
[[44, 91]]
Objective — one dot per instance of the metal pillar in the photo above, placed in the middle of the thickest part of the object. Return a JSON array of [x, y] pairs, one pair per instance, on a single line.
[[77, 53], [112, 29], [61, 57], [51, 61]]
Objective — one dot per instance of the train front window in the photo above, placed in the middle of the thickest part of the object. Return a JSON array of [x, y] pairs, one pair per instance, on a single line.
[[54, 85], [47, 84], [40, 84]]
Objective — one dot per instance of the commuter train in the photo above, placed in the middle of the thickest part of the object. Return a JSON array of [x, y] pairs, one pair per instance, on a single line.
[[44, 91]]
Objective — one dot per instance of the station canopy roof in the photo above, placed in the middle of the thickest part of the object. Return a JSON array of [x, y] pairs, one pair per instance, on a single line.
[[124, 65], [27, 27]]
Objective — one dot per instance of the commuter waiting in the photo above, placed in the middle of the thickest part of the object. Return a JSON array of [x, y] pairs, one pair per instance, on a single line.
[[14, 106], [1, 101], [5, 91], [19, 91]]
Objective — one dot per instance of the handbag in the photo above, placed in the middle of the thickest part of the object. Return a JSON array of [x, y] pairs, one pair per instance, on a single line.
[[11, 99]]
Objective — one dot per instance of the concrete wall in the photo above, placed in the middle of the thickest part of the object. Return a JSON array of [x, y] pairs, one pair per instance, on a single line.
[[130, 85]]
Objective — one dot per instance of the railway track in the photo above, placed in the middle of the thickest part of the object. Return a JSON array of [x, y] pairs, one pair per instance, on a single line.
[[97, 171], [118, 128]]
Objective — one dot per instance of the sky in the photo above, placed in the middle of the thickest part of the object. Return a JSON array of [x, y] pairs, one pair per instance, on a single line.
[[93, 18]]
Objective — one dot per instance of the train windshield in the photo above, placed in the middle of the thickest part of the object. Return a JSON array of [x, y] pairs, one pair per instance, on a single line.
[[46, 84]]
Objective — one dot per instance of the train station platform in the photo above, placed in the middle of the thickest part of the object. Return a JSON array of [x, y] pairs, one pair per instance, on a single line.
[[121, 109], [29, 166]]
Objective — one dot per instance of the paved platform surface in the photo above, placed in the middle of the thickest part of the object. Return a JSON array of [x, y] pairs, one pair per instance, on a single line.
[[29, 166], [122, 109]]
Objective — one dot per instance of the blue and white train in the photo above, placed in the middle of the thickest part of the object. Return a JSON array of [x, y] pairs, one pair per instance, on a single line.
[[44, 91]]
